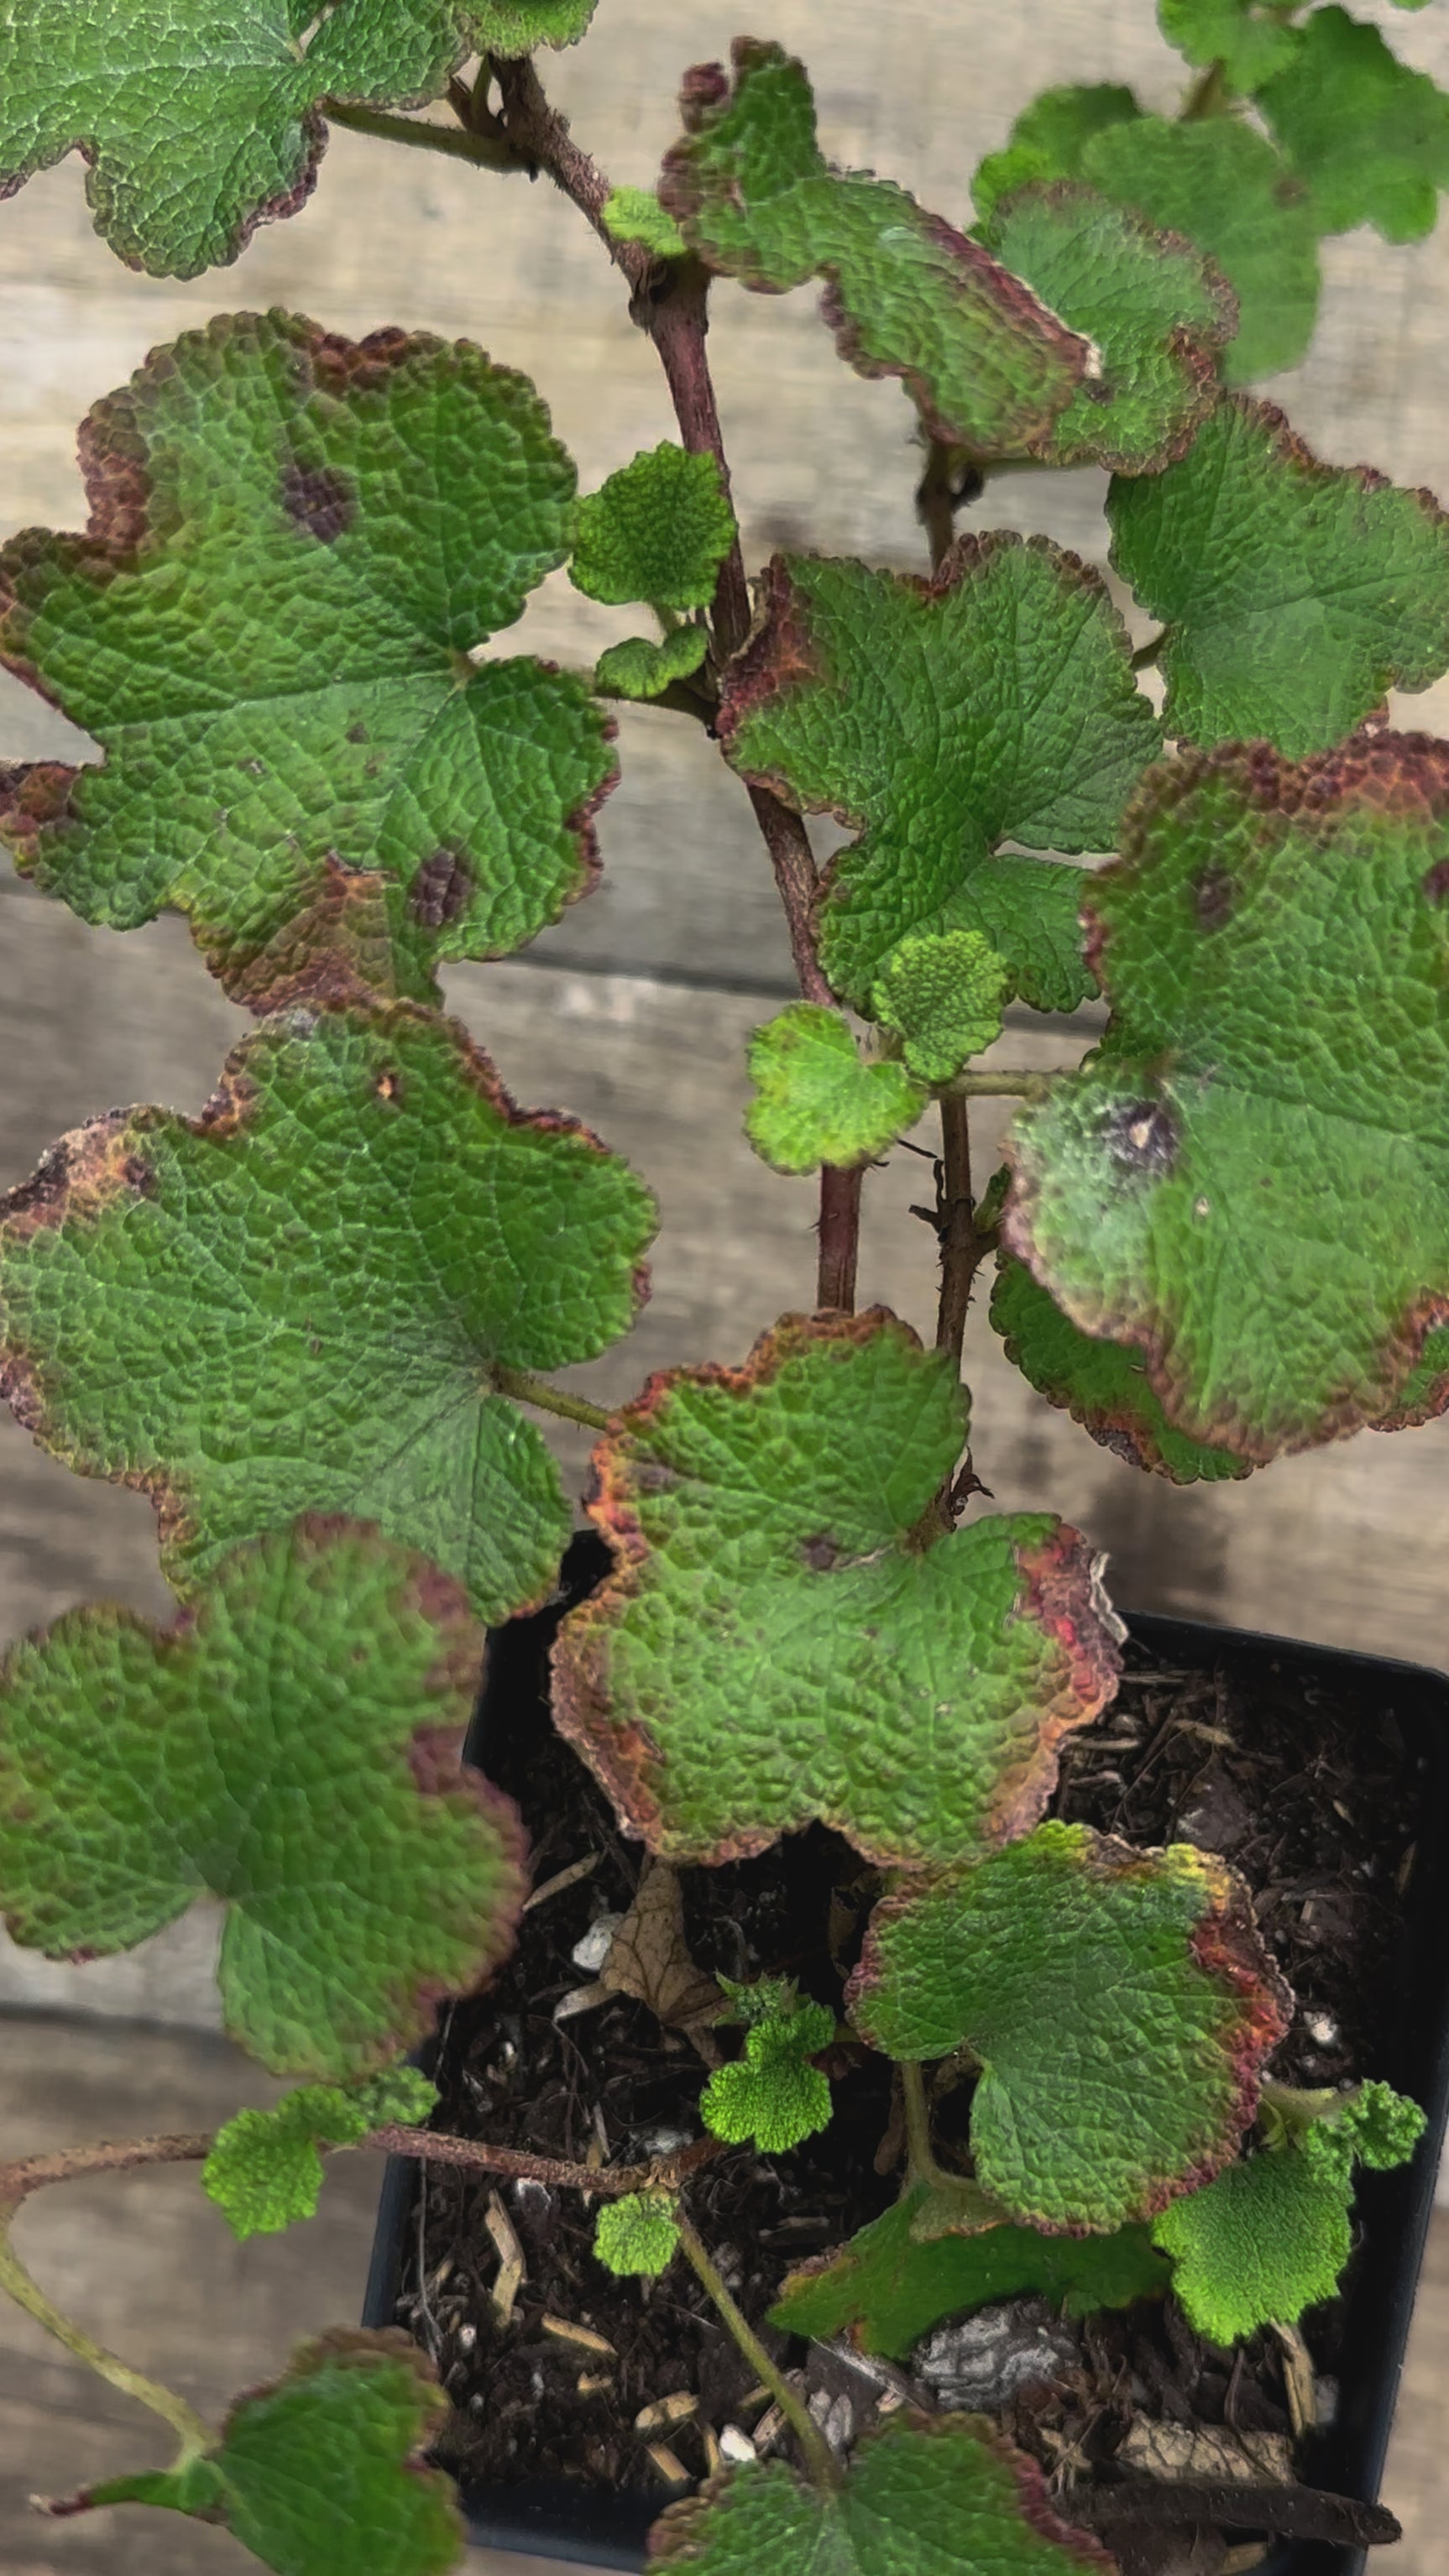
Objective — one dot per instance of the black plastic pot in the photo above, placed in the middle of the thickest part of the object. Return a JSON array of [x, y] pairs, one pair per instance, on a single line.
[[553, 2520]]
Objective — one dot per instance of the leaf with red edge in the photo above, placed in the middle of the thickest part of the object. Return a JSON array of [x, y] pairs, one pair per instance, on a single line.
[[1120, 2004], [906, 295], [1103, 1385], [793, 1629]]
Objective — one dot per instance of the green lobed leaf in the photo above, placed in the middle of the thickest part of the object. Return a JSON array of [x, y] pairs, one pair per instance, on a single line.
[[511, 27], [886, 2290], [1179, 1192], [1251, 43], [658, 530], [264, 2171], [640, 668], [1049, 138], [1373, 2125], [324, 2471], [268, 628], [1103, 1385], [636, 215], [296, 1302], [773, 2095], [1263, 2242], [923, 2496], [906, 295], [838, 703], [817, 1099], [1221, 185], [1156, 310], [942, 996], [1294, 593], [199, 120], [1368, 136], [1059, 1961], [637, 2233], [789, 1634], [291, 1747]]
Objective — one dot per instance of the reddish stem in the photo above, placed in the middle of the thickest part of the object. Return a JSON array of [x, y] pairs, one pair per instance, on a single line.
[[961, 1246], [839, 1238]]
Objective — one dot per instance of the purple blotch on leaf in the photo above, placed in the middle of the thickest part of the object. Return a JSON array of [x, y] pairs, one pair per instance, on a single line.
[[319, 499]]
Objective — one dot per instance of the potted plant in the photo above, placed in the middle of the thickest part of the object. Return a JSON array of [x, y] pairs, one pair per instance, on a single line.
[[869, 2121]]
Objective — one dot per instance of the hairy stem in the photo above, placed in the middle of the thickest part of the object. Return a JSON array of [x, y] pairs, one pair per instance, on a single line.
[[525, 1388], [1010, 1082], [839, 1238], [921, 2154], [486, 151], [541, 138], [961, 1246], [192, 2430], [609, 2182], [820, 2459]]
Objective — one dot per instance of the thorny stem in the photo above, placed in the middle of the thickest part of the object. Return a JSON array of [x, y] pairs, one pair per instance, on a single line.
[[823, 2466], [194, 2433], [839, 1238], [485, 151], [961, 1245], [540, 136], [525, 1388]]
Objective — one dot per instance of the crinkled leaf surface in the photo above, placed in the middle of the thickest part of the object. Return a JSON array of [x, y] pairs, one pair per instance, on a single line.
[[639, 2232], [885, 2290], [268, 628], [636, 215], [1183, 1190], [942, 995], [323, 2473], [817, 1099], [783, 1640], [1251, 43], [200, 120], [906, 295], [291, 1747], [1103, 1385], [658, 530], [925, 2496], [1059, 1961], [519, 26], [295, 1302], [1049, 138], [1157, 311], [773, 2095], [1294, 593], [1221, 184], [265, 2171], [1369, 136], [1373, 2125], [1265, 2241], [640, 668], [994, 704]]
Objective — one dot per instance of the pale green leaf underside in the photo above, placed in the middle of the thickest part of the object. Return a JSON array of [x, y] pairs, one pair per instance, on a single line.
[[817, 1099], [906, 295], [641, 668], [922, 2498], [1102, 1384], [1048, 140], [942, 996], [777, 1645], [201, 119], [1258, 2246], [1368, 135], [323, 2473], [268, 629], [1183, 1192], [1057, 1961], [291, 1749], [996, 704], [1250, 43], [1294, 594], [656, 531], [295, 1303]]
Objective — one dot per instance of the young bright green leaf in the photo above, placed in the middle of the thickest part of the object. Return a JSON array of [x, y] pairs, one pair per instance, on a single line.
[[324, 2472], [291, 1748], [837, 703], [1157, 311], [1103, 1385], [658, 530], [1048, 140], [1221, 185], [885, 2290], [817, 1099], [264, 2171], [640, 668], [924, 2496], [200, 120], [773, 2094], [906, 295], [1178, 1191], [1373, 2125], [518, 26], [1250, 42], [1265, 2241], [942, 995], [636, 215], [637, 2233], [1120, 2004], [268, 628], [788, 1634], [296, 1302], [1368, 135], [1294, 593]]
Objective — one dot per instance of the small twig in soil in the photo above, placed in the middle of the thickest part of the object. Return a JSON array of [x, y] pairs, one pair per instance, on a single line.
[[1299, 2513]]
